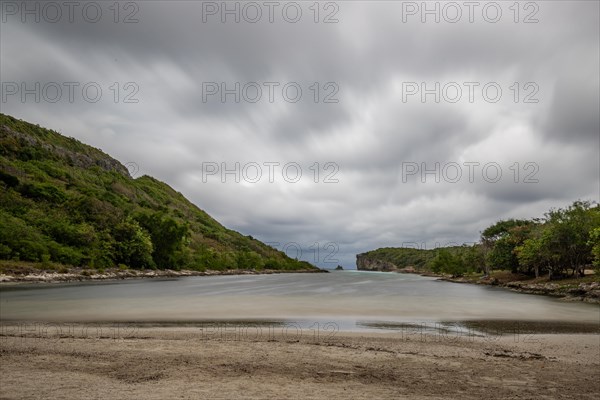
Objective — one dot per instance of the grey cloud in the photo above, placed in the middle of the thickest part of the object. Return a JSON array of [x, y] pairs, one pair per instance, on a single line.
[[368, 134]]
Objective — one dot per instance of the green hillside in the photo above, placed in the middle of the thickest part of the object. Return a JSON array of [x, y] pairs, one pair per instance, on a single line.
[[399, 258], [566, 241], [62, 201]]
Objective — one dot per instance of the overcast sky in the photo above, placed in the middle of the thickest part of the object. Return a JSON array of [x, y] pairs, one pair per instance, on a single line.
[[518, 94]]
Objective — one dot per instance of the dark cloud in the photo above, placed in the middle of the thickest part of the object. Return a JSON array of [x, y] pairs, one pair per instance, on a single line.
[[371, 134]]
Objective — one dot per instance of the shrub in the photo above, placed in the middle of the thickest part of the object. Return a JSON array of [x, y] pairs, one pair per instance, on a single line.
[[43, 191], [10, 180]]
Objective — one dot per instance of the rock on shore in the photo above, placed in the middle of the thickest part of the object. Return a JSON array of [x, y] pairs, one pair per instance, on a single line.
[[87, 275], [588, 292]]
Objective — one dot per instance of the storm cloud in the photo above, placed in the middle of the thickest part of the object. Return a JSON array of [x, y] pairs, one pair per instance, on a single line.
[[408, 130]]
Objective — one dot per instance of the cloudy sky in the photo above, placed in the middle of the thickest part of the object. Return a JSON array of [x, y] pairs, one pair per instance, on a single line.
[[409, 126]]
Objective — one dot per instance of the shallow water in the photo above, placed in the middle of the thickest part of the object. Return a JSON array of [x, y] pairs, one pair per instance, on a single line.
[[352, 300]]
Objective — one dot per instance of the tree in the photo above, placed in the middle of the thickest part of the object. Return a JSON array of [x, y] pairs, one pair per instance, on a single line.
[[595, 243], [500, 240], [530, 255], [502, 255], [565, 241], [249, 260], [567, 237], [167, 236], [133, 246], [448, 263], [474, 257]]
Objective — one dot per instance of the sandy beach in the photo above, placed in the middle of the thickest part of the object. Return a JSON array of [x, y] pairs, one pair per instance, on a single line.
[[141, 362]]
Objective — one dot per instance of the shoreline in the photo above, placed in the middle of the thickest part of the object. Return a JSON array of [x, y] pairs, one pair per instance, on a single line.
[[84, 275], [158, 363], [587, 292], [475, 329], [568, 289]]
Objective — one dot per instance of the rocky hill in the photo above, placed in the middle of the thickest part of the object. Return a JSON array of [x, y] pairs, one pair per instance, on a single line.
[[403, 259], [65, 202]]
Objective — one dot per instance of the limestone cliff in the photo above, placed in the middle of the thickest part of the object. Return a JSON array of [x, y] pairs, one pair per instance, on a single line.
[[366, 263]]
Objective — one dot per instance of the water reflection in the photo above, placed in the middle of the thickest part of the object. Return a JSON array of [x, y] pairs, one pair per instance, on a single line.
[[352, 300]]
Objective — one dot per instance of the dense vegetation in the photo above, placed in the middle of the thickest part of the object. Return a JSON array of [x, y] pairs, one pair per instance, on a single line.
[[402, 257], [64, 202], [563, 242]]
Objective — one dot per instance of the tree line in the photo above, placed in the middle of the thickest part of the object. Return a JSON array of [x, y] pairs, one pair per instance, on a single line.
[[564, 242]]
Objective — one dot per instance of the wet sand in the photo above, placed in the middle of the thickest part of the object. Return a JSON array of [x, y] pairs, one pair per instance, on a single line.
[[229, 362]]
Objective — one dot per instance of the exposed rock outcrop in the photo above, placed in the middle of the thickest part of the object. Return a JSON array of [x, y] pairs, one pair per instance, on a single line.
[[78, 158], [365, 263]]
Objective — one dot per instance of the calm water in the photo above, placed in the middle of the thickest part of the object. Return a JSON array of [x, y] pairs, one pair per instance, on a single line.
[[351, 299]]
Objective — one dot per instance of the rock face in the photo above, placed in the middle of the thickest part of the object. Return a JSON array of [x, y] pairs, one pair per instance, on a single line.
[[94, 157], [365, 263]]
